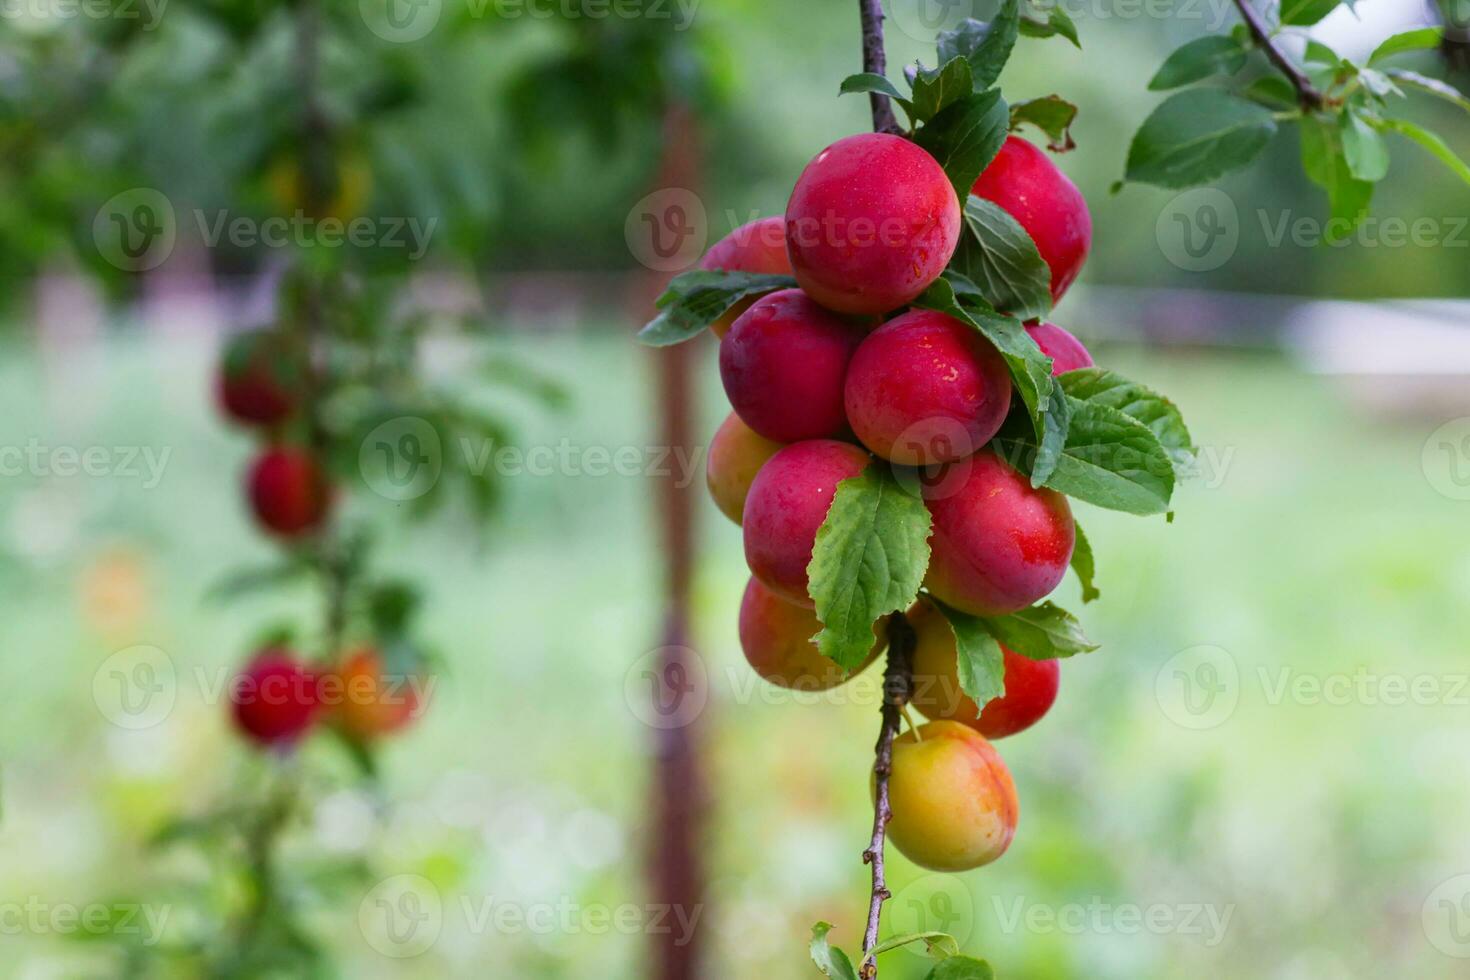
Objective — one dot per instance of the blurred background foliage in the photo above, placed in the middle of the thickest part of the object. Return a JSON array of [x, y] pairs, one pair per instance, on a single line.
[[1320, 549], [527, 137]]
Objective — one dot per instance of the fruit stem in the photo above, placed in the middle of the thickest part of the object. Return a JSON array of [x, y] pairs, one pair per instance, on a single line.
[[876, 61], [1306, 92], [897, 686]]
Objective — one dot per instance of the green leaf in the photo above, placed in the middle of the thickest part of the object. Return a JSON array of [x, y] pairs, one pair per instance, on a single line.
[[1000, 258], [1110, 459], [1323, 65], [872, 82], [961, 968], [1433, 86], [1044, 632], [966, 136], [698, 298], [1363, 147], [1423, 39], [1053, 115], [982, 665], [939, 945], [1217, 54], [831, 960], [1301, 13], [870, 557], [1377, 84], [1057, 22], [986, 46], [1085, 566], [1161, 415], [1272, 90], [938, 89], [1196, 136], [1431, 142], [1326, 166], [1030, 368]]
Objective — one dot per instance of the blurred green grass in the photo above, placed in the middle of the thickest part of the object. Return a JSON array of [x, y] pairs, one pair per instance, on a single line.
[[1316, 547]]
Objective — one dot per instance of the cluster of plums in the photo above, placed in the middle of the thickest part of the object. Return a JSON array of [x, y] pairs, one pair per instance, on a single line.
[[827, 377], [259, 387], [277, 697]]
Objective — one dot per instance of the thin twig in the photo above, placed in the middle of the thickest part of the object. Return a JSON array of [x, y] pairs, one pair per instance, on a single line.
[[876, 61], [1306, 92], [898, 672], [897, 686]]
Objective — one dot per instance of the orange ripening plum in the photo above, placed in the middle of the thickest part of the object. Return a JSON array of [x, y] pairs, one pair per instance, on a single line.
[[736, 454], [369, 701], [776, 636], [757, 246], [1031, 189], [1030, 685], [954, 804], [872, 221]]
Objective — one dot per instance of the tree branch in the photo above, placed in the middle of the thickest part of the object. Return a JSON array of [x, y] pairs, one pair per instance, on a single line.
[[876, 61], [897, 686], [1306, 92]]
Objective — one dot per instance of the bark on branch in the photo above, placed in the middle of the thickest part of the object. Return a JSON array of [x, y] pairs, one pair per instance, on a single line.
[[897, 686], [1306, 92]]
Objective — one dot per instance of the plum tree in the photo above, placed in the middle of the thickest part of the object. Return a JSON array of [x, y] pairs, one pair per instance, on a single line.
[[925, 388], [366, 701], [788, 502], [736, 454], [757, 246], [783, 365], [999, 544], [258, 379], [872, 221], [274, 700], [289, 491], [1030, 685], [776, 636], [1029, 187], [1065, 350], [954, 804]]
